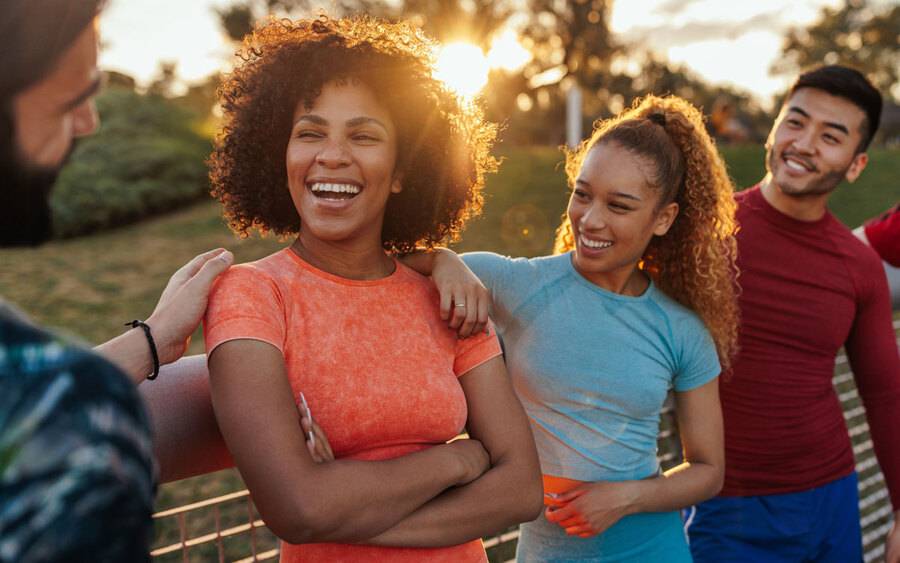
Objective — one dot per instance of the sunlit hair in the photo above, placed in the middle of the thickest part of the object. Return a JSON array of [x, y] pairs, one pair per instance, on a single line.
[[443, 144], [694, 263]]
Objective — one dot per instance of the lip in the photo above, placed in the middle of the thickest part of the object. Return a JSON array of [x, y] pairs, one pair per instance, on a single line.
[[808, 167], [333, 205], [591, 251]]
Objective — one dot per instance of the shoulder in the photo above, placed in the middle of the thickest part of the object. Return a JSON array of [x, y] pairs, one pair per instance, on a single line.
[[518, 274], [861, 257], [684, 322], [253, 278]]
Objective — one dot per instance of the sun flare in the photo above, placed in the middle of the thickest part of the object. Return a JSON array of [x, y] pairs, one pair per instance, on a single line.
[[463, 68]]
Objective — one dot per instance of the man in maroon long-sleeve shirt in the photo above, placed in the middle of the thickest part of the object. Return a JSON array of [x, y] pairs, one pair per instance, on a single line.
[[809, 287]]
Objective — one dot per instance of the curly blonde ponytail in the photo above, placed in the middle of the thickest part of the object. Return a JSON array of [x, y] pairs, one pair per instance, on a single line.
[[694, 262]]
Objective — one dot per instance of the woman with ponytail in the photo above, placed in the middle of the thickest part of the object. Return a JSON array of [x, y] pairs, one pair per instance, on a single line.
[[638, 300]]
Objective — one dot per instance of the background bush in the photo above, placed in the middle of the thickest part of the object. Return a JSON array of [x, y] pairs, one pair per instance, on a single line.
[[147, 158]]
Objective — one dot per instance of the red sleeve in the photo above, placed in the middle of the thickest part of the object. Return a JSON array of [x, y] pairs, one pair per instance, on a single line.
[[473, 351], [883, 234], [872, 351]]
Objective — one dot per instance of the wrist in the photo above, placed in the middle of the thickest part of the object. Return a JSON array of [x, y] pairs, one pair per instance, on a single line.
[[632, 494], [167, 349]]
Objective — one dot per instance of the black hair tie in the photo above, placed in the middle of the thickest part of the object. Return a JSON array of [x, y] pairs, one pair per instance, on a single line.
[[658, 118], [136, 323]]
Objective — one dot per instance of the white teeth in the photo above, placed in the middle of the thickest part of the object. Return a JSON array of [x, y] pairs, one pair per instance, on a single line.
[[595, 243], [335, 188], [795, 165]]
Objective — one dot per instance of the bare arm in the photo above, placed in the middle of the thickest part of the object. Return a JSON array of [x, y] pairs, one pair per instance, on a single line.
[[175, 318], [508, 493], [186, 437], [300, 500], [591, 508], [465, 302]]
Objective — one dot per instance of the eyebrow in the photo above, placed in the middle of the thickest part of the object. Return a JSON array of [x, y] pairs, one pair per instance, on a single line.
[[355, 122], [834, 125], [85, 94], [617, 194]]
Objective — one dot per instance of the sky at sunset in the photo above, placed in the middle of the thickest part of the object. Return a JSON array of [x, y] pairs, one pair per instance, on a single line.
[[722, 40]]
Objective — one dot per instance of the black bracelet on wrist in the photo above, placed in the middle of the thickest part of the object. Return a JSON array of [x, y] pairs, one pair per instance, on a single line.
[[136, 323]]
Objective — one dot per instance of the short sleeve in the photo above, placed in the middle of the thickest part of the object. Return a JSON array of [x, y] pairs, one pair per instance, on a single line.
[[473, 351], [492, 269], [699, 361], [76, 464], [245, 303]]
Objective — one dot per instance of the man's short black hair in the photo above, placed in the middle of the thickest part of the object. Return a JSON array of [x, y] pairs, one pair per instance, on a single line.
[[850, 84]]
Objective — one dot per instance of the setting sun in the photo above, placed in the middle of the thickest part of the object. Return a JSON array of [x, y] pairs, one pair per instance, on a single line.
[[463, 68]]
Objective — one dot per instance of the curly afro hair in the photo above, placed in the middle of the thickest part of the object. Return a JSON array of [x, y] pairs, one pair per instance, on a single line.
[[694, 262], [443, 148]]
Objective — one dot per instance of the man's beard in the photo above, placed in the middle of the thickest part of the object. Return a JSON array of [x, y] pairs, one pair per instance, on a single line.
[[820, 185], [25, 217]]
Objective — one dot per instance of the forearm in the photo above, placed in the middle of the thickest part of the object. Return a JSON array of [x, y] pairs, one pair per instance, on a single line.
[[422, 261], [681, 486], [186, 438], [349, 500], [130, 351], [505, 495]]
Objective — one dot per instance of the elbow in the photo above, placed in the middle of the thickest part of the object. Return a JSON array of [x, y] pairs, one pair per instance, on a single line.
[[526, 497], [716, 480], [304, 520], [532, 504]]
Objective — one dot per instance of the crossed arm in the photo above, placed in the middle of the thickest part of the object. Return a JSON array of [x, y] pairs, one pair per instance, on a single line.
[[353, 501]]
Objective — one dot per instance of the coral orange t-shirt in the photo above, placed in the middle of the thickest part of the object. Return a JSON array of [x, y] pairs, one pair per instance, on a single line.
[[376, 363]]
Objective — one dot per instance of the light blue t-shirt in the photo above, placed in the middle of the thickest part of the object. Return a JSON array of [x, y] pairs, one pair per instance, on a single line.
[[591, 367]]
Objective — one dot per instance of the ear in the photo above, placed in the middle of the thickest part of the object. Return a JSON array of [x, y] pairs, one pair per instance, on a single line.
[[856, 167], [396, 185], [664, 219]]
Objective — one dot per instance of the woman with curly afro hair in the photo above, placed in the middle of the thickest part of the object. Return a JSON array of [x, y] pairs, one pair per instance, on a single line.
[[638, 300], [337, 135]]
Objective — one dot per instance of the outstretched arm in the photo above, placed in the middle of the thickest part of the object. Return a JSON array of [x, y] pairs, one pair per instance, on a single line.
[[175, 318], [507, 494], [300, 500]]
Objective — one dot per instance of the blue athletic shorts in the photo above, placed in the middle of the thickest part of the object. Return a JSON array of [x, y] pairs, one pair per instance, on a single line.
[[820, 525]]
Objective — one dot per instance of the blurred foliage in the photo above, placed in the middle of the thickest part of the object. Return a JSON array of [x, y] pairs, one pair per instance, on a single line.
[[571, 36], [571, 44], [856, 34], [146, 158]]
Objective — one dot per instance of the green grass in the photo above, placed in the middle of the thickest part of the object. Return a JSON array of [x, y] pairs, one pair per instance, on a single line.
[[89, 286]]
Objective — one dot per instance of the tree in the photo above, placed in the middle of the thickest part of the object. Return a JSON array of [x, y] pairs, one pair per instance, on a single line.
[[856, 34], [572, 36]]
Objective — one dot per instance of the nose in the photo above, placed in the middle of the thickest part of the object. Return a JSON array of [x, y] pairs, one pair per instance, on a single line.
[[85, 119], [334, 154], [804, 142], [592, 219]]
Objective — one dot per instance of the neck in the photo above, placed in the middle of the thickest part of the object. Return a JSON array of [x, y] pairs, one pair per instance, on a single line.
[[355, 262], [803, 208], [626, 281]]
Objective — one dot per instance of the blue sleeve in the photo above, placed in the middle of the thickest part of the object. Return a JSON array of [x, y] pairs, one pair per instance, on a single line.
[[699, 361], [492, 269]]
